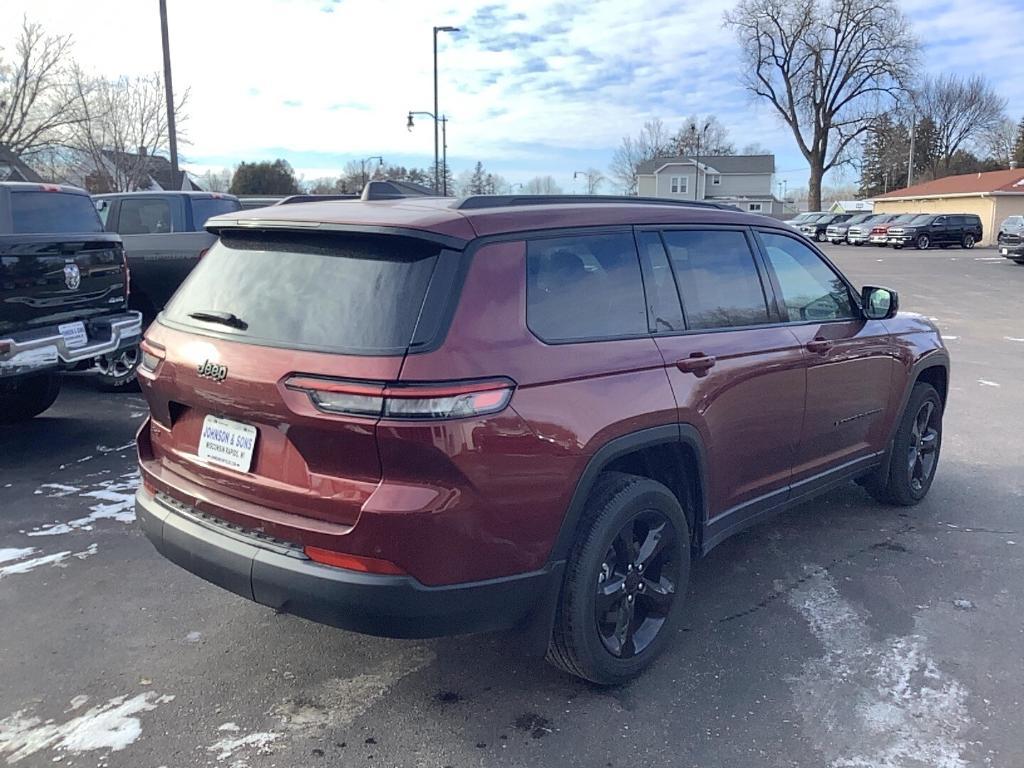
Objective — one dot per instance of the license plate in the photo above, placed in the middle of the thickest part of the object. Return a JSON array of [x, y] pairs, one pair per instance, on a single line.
[[227, 443], [74, 334], [1005, 251]]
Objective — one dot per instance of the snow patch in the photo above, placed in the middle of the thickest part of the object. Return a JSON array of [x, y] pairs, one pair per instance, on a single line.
[[57, 558], [108, 449], [193, 637], [949, 338], [117, 499], [6, 555], [77, 702], [874, 704], [260, 741], [229, 727], [53, 490], [111, 726], [1012, 338], [987, 383]]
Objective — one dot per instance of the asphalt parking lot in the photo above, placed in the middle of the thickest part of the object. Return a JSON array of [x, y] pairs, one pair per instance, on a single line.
[[843, 633]]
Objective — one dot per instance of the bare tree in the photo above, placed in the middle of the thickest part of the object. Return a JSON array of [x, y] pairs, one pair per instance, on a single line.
[[965, 111], [828, 67], [703, 135], [593, 179], [542, 185], [35, 100], [216, 181], [121, 124], [1000, 141], [653, 141], [755, 148]]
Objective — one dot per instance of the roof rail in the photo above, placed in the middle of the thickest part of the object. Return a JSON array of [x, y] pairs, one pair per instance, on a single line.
[[476, 202]]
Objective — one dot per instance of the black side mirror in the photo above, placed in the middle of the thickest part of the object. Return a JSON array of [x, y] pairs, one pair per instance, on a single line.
[[879, 303]]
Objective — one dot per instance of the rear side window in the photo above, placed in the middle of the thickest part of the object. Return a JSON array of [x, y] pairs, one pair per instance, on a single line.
[[718, 278], [584, 287], [810, 289], [144, 216], [205, 207], [53, 212], [356, 294]]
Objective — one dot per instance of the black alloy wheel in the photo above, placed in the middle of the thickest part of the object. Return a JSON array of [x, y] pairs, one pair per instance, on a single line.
[[637, 584], [924, 443], [923, 242], [968, 241]]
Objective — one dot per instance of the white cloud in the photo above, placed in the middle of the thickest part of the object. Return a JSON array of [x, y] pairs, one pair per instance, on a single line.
[[530, 87]]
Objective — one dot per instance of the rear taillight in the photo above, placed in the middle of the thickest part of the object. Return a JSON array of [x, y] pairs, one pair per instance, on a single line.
[[444, 400]]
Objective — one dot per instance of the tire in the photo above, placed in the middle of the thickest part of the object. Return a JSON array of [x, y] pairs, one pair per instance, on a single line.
[[897, 246], [904, 486], [821, 237], [923, 243], [25, 398], [118, 372], [588, 643], [968, 241]]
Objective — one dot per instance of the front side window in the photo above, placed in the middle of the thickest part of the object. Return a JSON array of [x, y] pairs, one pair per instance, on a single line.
[[144, 216], [810, 289], [584, 287], [718, 279]]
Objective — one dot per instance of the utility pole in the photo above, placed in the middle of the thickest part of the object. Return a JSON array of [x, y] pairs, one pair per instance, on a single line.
[[910, 162], [437, 169], [169, 89]]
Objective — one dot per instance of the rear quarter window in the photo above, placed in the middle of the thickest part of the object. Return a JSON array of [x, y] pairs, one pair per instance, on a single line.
[[584, 287], [38, 212], [205, 207]]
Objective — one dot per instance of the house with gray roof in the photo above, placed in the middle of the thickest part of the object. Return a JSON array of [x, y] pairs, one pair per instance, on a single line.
[[745, 181], [13, 168]]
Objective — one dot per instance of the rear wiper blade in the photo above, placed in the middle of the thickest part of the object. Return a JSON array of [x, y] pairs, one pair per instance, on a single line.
[[224, 318]]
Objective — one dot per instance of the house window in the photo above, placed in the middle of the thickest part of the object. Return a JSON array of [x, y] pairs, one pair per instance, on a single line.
[[716, 180], [679, 184], [754, 207]]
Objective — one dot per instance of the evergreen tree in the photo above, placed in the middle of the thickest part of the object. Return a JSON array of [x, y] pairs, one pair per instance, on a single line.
[[478, 181]]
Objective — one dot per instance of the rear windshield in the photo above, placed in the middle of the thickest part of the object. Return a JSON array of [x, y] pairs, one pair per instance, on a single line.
[[205, 207], [355, 294], [53, 212]]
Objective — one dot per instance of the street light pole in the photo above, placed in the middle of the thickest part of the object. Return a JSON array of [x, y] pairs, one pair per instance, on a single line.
[[378, 158], [437, 170], [169, 91]]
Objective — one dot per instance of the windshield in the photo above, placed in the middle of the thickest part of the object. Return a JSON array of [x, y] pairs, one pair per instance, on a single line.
[[359, 294]]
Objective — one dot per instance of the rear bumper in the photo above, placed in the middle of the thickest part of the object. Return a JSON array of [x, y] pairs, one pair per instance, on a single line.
[[280, 576], [47, 348]]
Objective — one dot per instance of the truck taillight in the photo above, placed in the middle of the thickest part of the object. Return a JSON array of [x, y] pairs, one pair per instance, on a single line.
[[417, 400]]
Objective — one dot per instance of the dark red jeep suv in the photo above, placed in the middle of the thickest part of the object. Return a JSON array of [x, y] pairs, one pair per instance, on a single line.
[[422, 417]]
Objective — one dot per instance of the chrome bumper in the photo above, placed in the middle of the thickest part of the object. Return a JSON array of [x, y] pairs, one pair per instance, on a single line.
[[49, 349]]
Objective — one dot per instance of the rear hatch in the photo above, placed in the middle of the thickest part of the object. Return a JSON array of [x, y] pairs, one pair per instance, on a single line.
[[56, 263], [263, 318]]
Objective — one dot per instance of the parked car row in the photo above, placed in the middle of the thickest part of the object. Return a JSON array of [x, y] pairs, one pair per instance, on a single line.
[[920, 230]]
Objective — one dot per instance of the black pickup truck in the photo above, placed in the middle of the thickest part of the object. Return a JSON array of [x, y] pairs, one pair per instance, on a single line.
[[63, 293]]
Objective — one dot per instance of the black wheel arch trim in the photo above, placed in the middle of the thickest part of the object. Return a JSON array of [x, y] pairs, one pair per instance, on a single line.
[[936, 358], [679, 433]]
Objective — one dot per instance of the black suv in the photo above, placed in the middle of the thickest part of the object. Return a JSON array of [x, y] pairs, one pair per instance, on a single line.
[[943, 230]]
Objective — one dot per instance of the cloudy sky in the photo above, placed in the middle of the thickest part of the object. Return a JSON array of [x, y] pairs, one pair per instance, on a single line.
[[530, 87]]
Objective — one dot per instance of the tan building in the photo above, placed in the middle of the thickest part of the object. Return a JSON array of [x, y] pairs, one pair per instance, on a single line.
[[993, 196]]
